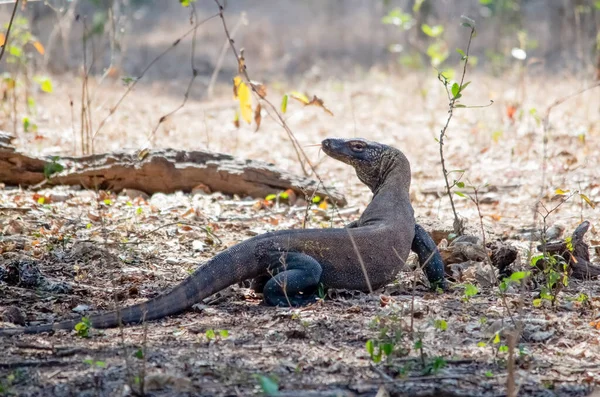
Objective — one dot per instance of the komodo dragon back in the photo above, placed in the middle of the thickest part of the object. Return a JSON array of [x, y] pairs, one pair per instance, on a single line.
[[329, 256]]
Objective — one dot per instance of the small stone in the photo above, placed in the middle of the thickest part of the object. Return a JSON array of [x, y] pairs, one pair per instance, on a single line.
[[198, 245], [133, 193], [14, 315], [81, 308]]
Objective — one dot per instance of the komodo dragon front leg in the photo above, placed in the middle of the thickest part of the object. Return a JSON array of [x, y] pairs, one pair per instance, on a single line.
[[430, 259]]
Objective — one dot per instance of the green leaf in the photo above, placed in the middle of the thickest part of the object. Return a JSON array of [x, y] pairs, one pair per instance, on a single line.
[[268, 385], [489, 374], [284, 195], [470, 290], [481, 344], [370, 347], [465, 85], [26, 124], [387, 348], [284, 102], [460, 184], [316, 199], [271, 197], [461, 194], [224, 333], [496, 338], [186, 3], [15, 51], [432, 31], [210, 334], [419, 344], [139, 354], [516, 276], [455, 90], [503, 349], [441, 324], [52, 168], [461, 52], [458, 105], [46, 86], [535, 259]]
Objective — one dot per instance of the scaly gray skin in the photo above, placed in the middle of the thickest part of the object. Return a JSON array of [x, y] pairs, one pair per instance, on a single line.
[[301, 259]]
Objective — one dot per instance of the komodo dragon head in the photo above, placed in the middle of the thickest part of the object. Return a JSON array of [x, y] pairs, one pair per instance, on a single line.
[[372, 161]]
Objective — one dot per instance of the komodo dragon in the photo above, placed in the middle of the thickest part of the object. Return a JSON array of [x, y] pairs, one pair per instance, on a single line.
[[299, 260]]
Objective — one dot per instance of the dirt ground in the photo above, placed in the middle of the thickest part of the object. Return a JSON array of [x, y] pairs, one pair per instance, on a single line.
[[93, 248]]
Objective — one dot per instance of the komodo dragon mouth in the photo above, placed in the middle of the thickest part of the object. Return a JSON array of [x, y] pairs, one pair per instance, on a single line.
[[365, 254]]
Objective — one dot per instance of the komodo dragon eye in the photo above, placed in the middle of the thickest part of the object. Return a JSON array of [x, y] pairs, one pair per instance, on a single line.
[[357, 146]]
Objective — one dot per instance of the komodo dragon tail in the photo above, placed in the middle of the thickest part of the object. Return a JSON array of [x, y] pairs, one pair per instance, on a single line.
[[226, 268]]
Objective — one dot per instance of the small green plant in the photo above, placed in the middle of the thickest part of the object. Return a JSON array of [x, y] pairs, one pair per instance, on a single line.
[[470, 291], [391, 338], [6, 384], [441, 324], [53, 167], [268, 384], [435, 366], [514, 278], [83, 327], [212, 334], [95, 363]]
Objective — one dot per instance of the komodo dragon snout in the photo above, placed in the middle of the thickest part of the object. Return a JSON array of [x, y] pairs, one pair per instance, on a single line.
[[365, 255]]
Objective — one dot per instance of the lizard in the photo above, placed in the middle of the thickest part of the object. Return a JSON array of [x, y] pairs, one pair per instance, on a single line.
[[365, 255]]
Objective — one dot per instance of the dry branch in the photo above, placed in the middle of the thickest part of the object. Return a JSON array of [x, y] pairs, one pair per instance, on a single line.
[[165, 170]]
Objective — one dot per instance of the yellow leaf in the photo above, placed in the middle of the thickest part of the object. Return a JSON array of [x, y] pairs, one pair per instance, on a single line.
[[39, 47], [497, 338], [587, 200], [300, 97], [2, 39], [561, 192], [242, 93], [323, 205]]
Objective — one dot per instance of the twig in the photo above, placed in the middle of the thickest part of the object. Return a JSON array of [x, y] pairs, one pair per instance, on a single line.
[[242, 69], [279, 118], [458, 224], [213, 79], [131, 86], [193, 17], [10, 24]]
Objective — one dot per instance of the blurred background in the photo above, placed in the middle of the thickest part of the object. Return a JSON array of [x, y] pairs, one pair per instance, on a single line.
[[313, 38]]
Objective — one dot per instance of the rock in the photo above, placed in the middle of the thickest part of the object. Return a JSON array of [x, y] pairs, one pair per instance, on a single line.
[[13, 314]]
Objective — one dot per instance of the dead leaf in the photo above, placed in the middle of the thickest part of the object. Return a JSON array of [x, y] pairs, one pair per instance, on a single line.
[[257, 116], [236, 119], [315, 101], [92, 216], [260, 88], [2, 39], [510, 112]]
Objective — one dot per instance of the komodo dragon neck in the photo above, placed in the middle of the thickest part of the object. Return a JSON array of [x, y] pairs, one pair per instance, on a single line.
[[382, 236]]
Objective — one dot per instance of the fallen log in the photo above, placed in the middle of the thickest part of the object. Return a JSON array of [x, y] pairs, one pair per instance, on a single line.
[[161, 170]]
